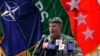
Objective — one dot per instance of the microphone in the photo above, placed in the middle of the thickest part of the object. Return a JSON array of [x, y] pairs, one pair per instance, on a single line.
[[38, 48], [52, 49], [52, 46], [61, 49], [58, 41], [45, 47], [45, 44], [70, 48]]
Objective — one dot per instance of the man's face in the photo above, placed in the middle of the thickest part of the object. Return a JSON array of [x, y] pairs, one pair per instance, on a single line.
[[55, 29]]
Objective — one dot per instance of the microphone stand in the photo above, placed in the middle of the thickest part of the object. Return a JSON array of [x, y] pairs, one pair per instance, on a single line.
[[61, 52], [45, 52], [57, 53]]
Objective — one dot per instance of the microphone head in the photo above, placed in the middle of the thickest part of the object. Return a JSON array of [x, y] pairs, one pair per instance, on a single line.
[[52, 46], [45, 44], [58, 41], [43, 36], [61, 46], [70, 47]]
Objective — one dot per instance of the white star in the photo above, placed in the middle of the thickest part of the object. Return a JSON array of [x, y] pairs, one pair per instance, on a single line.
[[88, 33], [98, 2], [10, 11], [81, 19], [73, 4], [6, 12]]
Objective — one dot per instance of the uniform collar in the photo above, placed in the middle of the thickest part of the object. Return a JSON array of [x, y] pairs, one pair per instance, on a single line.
[[50, 39]]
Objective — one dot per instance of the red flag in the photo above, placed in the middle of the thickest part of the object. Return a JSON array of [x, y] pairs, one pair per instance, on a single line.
[[84, 19]]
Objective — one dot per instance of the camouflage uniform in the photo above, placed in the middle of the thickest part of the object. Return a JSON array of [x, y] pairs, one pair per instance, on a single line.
[[65, 40]]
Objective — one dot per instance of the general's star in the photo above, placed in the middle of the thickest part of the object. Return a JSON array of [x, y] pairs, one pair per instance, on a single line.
[[73, 4], [88, 33], [81, 19], [98, 2]]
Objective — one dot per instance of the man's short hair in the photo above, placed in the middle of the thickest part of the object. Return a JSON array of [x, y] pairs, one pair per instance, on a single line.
[[55, 20]]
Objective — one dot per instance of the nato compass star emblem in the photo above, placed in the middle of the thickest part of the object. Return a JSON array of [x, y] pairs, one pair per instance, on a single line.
[[11, 11]]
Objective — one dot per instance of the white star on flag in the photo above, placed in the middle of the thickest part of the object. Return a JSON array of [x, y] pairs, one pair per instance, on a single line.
[[88, 33], [81, 19], [73, 4], [10, 11], [98, 2]]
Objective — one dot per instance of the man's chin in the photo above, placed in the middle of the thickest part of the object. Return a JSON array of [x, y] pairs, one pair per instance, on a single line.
[[52, 34]]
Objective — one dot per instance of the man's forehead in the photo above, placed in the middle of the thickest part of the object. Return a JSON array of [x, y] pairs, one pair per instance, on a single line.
[[54, 23]]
